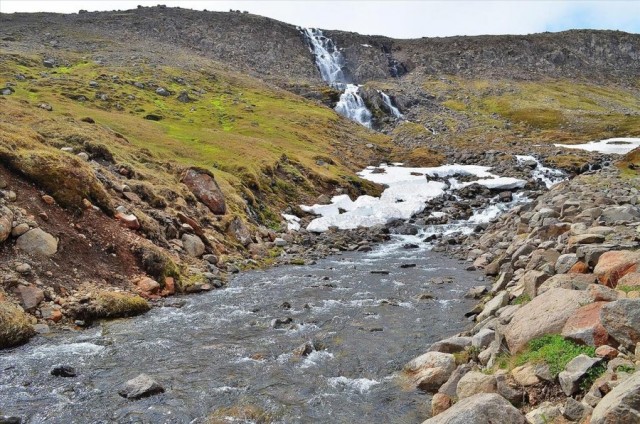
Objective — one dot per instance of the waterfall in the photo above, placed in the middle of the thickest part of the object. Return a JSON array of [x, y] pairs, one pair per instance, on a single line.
[[330, 63], [352, 106], [389, 104]]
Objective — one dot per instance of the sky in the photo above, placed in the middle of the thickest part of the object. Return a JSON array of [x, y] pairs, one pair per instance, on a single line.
[[396, 18]]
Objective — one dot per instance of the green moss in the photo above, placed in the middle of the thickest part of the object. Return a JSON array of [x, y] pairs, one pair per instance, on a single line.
[[628, 289], [117, 305], [15, 328], [522, 299]]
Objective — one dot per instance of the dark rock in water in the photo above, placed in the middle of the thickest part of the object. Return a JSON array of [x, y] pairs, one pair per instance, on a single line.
[[281, 322], [304, 349], [381, 272], [505, 196], [64, 371], [139, 387], [285, 305], [425, 296], [4, 419], [432, 237], [410, 246], [405, 230], [408, 266]]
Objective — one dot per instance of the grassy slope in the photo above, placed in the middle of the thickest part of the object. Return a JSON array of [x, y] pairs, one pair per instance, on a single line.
[[237, 125]]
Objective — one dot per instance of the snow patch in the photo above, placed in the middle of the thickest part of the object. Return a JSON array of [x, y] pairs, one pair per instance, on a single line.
[[614, 146]]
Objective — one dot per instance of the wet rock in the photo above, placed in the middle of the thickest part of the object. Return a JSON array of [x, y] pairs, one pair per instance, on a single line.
[[545, 314], [475, 382], [193, 245], [451, 345], [584, 327], [380, 271], [139, 387], [574, 371], [281, 322], [621, 405], [484, 408], [304, 349], [37, 242], [63, 371], [7, 419], [430, 370], [621, 319], [30, 296], [203, 185]]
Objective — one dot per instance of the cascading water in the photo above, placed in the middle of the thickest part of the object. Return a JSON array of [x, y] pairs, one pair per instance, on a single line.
[[331, 63], [352, 106], [389, 104]]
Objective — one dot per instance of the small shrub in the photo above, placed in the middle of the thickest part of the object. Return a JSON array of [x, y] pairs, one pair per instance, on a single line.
[[554, 350]]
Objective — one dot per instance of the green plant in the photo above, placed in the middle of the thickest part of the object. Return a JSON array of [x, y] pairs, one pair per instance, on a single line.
[[626, 368], [591, 376], [554, 350], [522, 299], [628, 289]]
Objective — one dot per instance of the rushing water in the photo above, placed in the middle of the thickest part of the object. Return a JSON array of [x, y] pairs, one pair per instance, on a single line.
[[221, 349]]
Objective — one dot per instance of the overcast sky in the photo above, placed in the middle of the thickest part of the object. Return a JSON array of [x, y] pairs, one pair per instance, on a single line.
[[399, 18]]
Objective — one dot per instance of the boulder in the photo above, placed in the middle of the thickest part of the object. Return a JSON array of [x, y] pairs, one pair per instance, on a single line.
[[584, 327], [544, 414], [574, 371], [607, 352], [615, 264], [37, 242], [475, 382], [621, 319], [6, 219], [30, 296], [440, 403], [15, 328], [525, 375], [567, 281], [193, 245], [148, 286], [493, 305], [574, 410], [430, 370], [64, 371], [483, 408], [533, 280], [239, 231], [451, 345], [586, 239], [631, 279], [565, 262], [483, 338], [621, 405], [545, 314], [626, 213], [450, 388], [203, 185], [139, 387]]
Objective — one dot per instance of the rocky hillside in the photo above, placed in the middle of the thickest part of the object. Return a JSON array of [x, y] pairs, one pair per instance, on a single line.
[[556, 336]]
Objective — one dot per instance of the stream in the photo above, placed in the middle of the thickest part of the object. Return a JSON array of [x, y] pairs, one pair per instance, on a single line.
[[223, 349]]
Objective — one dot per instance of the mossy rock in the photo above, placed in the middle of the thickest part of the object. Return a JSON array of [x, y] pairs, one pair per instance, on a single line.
[[15, 328], [108, 304]]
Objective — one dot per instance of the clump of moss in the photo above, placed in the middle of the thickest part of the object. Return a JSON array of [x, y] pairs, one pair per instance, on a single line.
[[157, 263], [15, 328], [116, 305]]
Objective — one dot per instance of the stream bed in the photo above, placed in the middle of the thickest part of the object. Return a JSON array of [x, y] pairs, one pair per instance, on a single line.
[[223, 351]]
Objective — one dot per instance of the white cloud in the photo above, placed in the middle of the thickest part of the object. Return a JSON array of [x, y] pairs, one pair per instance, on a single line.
[[402, 19]]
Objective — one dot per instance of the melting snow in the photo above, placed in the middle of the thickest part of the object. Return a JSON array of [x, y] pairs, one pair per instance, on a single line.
[[548, 176], [616, 146], [408, 190]]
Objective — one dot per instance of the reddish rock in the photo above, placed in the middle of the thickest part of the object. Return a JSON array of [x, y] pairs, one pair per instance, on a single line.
[[197, 228], [440, 403], [584, 326], [148, 287], [606, 352], [615, 264], [132, 197], [204, 187], [128, 220], [48, 199], [169, 287], [579, 268]]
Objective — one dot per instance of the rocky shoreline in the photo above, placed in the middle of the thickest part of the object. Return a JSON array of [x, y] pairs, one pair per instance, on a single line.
[[555, 337]]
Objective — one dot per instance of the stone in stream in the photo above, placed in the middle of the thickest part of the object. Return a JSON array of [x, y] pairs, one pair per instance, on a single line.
[[6, 419], [408, 266], [63, 371], [139, 387], [381, 272], [430, 370], [281, 322]]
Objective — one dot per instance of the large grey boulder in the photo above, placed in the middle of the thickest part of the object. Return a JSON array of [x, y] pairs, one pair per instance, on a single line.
[[139, 387], [626, 213], [574, 371], [545, 314], [37, 242], [621, 319], [430, 370], [500, 300], [621, 405], [193, 245], [475, 382], [451, 345], [484, 408]]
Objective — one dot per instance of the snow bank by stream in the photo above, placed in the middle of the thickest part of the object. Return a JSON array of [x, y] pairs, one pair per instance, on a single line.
[[615, 146], [408, 190]]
